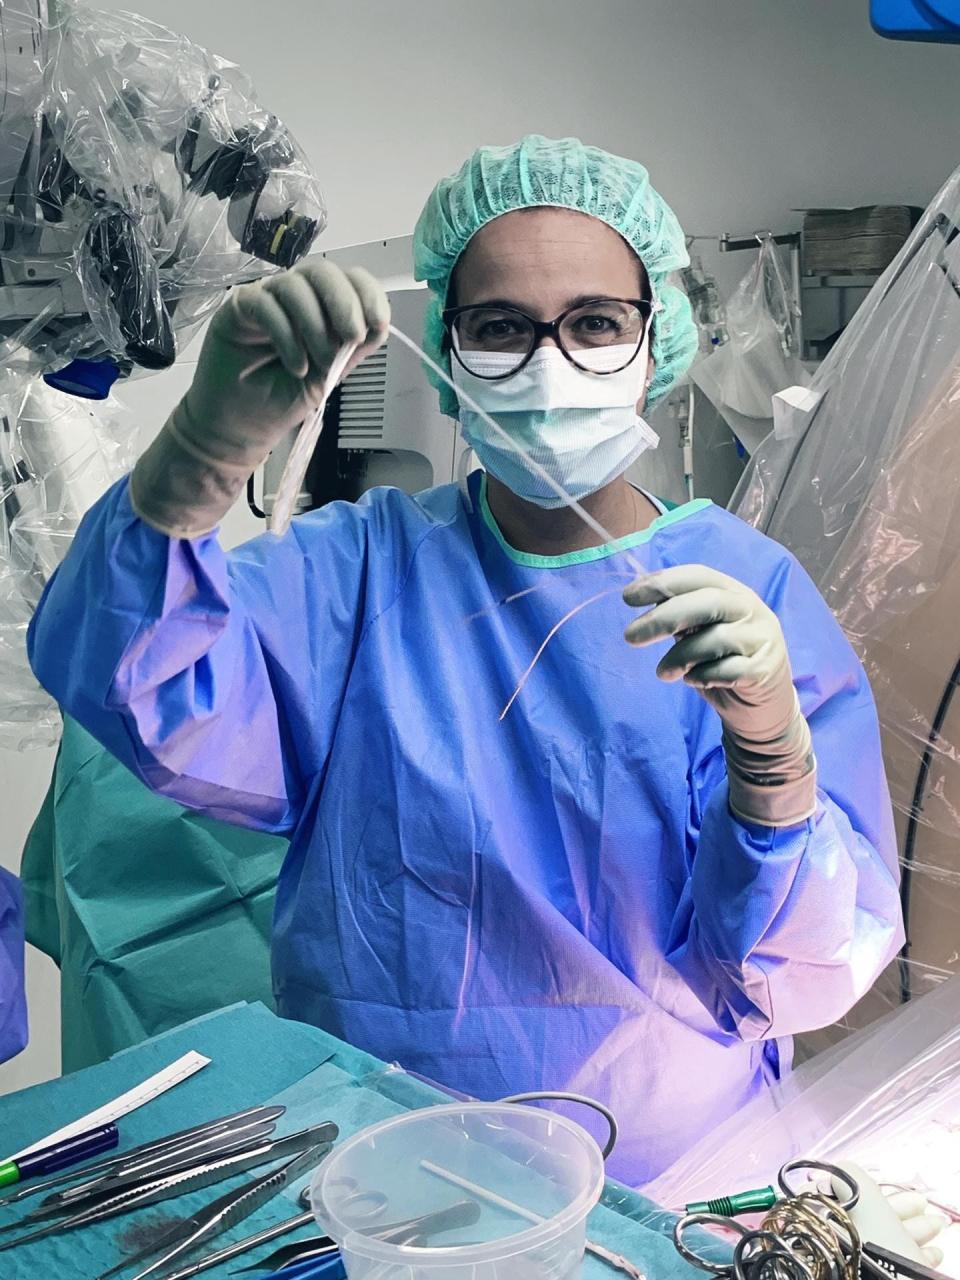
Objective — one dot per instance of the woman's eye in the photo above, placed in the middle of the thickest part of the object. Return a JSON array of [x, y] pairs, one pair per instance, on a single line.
[[495, 329], [596, 324]]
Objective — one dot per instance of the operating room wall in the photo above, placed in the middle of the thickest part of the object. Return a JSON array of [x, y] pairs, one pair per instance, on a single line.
[[744, 111]]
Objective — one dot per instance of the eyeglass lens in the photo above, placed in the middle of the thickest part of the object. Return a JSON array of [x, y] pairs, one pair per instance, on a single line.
[[595, 325]]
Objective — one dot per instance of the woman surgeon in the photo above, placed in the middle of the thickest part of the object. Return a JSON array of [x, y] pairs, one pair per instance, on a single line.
[[674, 852]]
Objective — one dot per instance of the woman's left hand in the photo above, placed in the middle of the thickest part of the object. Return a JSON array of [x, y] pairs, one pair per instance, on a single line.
[[729, 646]]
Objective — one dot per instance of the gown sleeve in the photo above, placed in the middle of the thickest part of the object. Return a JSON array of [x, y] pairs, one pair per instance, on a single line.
[[781, 931], [13, 1004], [215, 678]]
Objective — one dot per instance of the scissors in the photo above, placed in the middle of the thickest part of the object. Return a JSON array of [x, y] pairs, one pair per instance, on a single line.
[[289, 1259], [872, 1260]]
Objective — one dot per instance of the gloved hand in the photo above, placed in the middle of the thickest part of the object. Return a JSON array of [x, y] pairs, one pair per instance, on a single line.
[[731, 648], [920, 1224], [901, 1221], [263, 369]]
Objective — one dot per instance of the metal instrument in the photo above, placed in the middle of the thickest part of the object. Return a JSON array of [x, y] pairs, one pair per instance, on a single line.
[[177, 1160], [308, 1250], [462, 1214], [221, 1215], [189, 1151], [413, 1231], [229, 1251], [612, 1259], [116, 1162], [153, 1190], [807, 1235]]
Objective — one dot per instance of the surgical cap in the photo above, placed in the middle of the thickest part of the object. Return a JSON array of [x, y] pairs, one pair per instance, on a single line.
[[538, 172]]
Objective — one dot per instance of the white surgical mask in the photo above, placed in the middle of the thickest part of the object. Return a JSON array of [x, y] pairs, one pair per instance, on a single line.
[[582, 428]]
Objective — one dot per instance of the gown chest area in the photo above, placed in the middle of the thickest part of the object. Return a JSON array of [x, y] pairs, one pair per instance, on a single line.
[[580, 791]]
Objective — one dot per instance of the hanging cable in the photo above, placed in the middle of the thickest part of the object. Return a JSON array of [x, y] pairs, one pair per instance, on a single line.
[[583, 1100], [913, 824]]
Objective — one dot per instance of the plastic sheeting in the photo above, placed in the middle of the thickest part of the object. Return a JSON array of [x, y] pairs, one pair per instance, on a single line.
[[864, 487], [57, 456], [760, 356], [139, 176], [888, 1099]]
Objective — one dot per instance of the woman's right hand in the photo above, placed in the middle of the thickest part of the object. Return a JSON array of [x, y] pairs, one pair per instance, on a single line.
[[269, 349], [262, 370]]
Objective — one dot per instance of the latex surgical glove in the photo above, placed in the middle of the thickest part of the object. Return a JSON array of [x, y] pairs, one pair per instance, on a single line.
[[263, 369], [901, 1221], [730, 647], [920, 1224]]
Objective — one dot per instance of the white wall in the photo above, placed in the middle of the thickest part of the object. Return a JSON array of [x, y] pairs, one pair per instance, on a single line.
[[743, 111]]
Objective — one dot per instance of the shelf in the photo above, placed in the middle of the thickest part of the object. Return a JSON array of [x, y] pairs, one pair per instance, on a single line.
[[838, 282]]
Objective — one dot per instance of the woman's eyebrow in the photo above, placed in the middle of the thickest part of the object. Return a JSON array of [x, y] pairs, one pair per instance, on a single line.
[[580, 300]]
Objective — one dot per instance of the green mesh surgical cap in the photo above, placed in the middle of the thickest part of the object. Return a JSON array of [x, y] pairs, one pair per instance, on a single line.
[[567, 175]]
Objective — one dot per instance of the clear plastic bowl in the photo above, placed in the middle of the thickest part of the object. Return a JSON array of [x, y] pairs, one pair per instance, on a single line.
[[525, 1180]]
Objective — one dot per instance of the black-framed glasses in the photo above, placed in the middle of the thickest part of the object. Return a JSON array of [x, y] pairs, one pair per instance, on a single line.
[[510, 337]]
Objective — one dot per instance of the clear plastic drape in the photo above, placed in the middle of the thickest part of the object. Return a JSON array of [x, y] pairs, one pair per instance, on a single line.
[[863, 485], [140, 177]]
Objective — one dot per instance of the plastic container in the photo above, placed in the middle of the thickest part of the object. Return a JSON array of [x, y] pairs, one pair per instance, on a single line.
[[526, 1179]]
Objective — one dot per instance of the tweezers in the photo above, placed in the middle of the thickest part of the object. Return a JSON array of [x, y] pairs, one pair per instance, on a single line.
[[174, 1141], [249, 1242], [221, 1215], [153, 1190], [201, 1152]]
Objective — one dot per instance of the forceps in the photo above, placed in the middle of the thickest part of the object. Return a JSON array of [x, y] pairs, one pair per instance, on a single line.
[[220, 1216], [126, 1160], [154, 1189]]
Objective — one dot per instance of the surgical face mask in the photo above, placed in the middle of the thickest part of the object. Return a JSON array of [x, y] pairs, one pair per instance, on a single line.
[[582, 428]]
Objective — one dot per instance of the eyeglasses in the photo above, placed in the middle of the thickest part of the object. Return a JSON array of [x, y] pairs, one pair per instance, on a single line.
[[580, 333]]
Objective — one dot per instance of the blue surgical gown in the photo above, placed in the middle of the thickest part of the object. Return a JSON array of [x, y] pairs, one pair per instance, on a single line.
[[560, 899], [13, 1006]]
